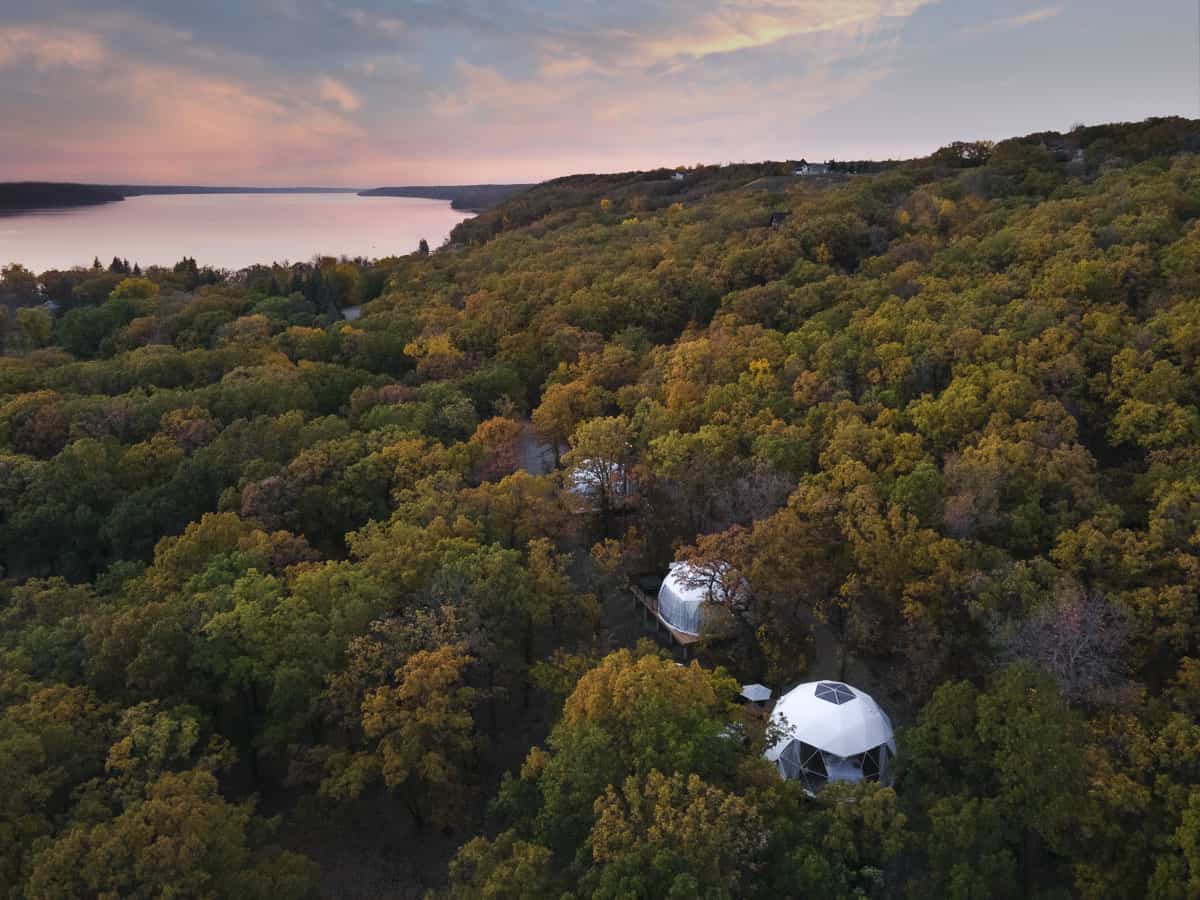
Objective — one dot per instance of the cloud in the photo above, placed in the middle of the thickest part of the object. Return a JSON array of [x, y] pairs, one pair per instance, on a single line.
[[616, 120], [196, 118], [375, 24], [276, 91], [566, 67], [334, 91], [48, 48], [483, 91], [1014, 23], [733, 25]]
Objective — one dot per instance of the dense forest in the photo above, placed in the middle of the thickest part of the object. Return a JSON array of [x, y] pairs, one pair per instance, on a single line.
[[288, 613]]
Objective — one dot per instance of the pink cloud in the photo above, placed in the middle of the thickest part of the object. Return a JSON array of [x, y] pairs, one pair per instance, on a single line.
[[173, 123], [338, 93], [48, 48], [166, 107]]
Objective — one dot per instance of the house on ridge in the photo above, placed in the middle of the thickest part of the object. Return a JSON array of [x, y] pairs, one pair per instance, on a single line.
[[811, 169]]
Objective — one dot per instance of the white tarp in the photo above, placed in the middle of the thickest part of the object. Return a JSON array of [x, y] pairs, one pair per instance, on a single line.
[[840, 721]]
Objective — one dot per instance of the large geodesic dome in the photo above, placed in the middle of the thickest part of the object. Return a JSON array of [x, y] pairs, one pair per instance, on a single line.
[[832, 732]]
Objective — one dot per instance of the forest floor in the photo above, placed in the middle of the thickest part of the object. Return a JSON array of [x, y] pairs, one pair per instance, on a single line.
[[374, 849], [534, 455]]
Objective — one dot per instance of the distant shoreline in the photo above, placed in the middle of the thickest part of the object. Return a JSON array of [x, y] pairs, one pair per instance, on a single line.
[[30, 196], [476, 198], [27, 195]]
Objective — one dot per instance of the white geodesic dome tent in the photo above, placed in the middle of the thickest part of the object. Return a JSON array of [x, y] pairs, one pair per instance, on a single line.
[[683, 595], [832, 732], [584, 480]]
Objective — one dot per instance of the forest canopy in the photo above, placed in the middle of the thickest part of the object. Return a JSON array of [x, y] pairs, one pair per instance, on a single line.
[[296, 605]]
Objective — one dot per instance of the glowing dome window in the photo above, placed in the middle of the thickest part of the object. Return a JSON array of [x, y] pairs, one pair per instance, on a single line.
[[834, 692]]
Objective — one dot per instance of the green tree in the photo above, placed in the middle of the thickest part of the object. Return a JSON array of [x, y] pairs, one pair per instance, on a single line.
[[18, 282], [1015, 757], [182, 840], [35, 325], [134, 289], [504, 869], [600, 458], [673, 837]]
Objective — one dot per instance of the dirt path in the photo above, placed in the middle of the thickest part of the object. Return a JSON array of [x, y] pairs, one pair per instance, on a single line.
[[534, 455]]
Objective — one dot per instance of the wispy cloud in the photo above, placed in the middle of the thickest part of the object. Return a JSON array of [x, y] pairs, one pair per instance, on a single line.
[[333, 87], [47, 48], [1013, 23], [361, 91], [728, 26], [121, 117], [336, 92], [374, 23]]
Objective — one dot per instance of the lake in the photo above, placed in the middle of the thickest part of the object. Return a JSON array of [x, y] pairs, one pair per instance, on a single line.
[[225, 231]]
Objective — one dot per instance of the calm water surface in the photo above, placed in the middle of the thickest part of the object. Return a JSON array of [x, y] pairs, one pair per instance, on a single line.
[[226, 231]]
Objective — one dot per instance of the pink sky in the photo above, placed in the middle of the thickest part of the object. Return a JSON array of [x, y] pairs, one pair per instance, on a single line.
[[364, 93]]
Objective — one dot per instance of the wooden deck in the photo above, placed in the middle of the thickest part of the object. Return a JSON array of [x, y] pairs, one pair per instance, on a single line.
[[649, 605]]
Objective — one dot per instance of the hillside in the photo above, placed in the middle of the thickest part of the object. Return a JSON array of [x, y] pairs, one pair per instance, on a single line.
[[24, 195], [468, 197], [933, 427]]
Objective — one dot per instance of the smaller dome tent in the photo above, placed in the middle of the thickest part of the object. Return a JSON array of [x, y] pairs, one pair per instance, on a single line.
[[831, 732], [587, 481], [683, 595]]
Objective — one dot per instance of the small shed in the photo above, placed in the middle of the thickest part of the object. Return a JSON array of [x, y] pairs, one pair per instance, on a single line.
[[756, 695]]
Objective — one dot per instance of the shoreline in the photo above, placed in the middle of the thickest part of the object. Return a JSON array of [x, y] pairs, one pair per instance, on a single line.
[[17, 198]]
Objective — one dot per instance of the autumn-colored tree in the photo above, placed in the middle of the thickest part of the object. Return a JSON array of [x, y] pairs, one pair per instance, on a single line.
[[599, 462], [504, 869], [673, 837], [563, 407], [51, 742], [134, 289], [425, 734], [498, 444], [942, 417], [629, 715]]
